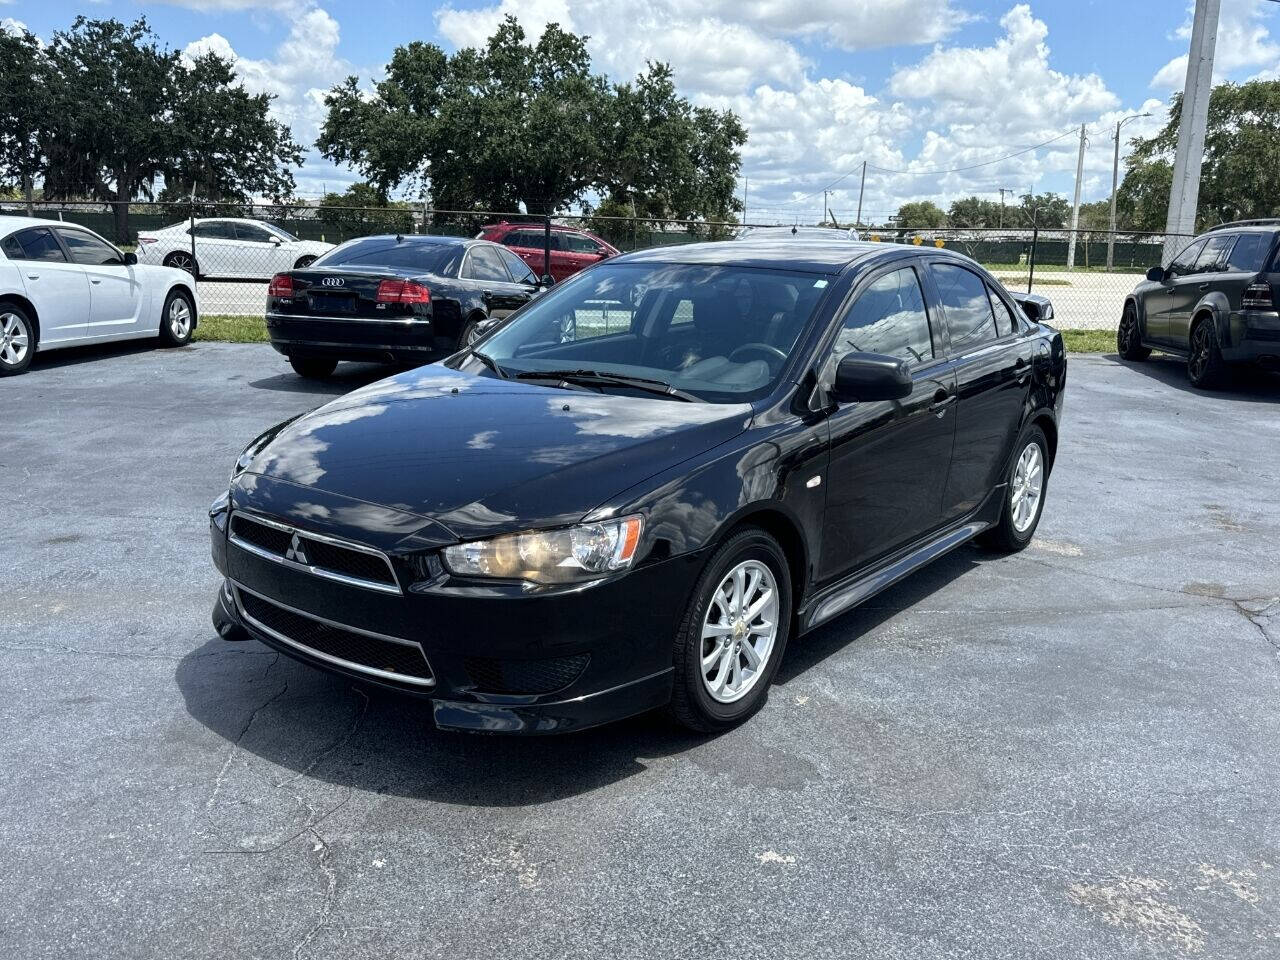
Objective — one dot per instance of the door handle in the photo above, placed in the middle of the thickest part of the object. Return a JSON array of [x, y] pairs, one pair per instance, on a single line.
[[486, 296], [33, 276], [1204, 287], [95, 279], [1021, 369], [941, 400]]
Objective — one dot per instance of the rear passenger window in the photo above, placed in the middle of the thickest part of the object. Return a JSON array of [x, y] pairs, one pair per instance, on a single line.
[[38, 244], [1005, 323], [964, 298], [1249, 252], [12, 248], [888, 317], [484, 264]]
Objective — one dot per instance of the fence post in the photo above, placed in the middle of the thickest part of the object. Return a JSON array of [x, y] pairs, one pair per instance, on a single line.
[[192, 233], [546, 247], [1031, 267]]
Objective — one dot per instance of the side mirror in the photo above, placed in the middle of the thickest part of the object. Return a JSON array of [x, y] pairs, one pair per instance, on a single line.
[[1156, 274], [547, 281], [130, 259], [276, 241], [871, 376], [1037, 308]]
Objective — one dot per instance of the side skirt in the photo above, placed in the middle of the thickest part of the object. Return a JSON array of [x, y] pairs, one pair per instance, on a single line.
[[850, 592]]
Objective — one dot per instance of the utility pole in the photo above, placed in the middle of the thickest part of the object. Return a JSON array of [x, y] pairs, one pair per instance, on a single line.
[[1115, 187], [1003, 191], [745, 183], [1075, 206], [861, 189], [1184, 197], [824, 206]]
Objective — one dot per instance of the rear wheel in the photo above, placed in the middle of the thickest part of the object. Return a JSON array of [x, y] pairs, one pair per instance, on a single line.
[[1129, 336], [1205, 367], [733, 634], [183, 261], [17, 340], [1027, 483], [177, 320], [470, 332], [313, 368]]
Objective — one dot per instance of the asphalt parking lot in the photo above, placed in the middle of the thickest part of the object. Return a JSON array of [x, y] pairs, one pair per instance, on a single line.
[[1072, 752]]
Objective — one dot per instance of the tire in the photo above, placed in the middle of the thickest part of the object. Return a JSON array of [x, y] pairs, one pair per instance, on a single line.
[[304, 262], [701, 634], [183, 260], [177, 320], [467, 336], [313, 368], [1015, 529], [1129, 336], [18, 340], [1205, 367]]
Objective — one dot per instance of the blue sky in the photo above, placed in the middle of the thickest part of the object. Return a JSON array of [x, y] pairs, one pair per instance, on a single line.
[[913, 86]]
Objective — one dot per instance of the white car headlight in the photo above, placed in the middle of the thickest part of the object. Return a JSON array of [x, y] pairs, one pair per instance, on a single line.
[[585, 552]]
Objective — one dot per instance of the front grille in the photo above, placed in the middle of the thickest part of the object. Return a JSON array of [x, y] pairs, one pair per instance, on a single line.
[[351, 648], [524, 676], [320, 555]]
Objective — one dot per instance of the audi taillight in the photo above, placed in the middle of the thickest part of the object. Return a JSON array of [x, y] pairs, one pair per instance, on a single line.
[[281, 286], [1258, 296], [402, 291]]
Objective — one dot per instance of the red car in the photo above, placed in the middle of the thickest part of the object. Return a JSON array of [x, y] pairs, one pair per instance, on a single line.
[[571, 249]]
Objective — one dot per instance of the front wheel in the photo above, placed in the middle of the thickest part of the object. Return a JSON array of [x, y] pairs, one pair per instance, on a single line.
[[177, 320], [1025, 490], [313, 368], [1129, 337], [733, 634]]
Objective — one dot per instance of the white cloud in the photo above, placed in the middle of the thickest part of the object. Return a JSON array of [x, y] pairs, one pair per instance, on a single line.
[[1243, 43], [851, 26]]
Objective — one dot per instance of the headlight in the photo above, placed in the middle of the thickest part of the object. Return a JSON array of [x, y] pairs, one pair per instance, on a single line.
[[585, 552]]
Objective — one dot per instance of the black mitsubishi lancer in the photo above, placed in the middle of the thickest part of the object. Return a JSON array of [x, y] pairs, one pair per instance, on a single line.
[[635, 491]]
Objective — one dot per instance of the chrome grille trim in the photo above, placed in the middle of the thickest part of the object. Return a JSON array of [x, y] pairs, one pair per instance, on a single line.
[[237, 588], [317, 571]]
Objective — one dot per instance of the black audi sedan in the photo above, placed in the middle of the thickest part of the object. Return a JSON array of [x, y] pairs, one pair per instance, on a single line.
[[394, 299], [636, 490]]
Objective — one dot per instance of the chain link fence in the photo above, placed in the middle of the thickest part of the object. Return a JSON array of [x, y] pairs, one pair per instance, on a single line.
[[235, 249]]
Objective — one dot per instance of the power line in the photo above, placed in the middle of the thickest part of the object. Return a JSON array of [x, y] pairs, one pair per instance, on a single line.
[[975, 166]]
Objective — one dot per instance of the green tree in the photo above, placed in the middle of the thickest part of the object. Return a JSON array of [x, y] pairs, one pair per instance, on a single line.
[[974, 212], [516, 123], [25, 109], [510, 123], [921, 214], [1048, 211], [1096, 216], [1240, 177], [362, 209], [128, 115]]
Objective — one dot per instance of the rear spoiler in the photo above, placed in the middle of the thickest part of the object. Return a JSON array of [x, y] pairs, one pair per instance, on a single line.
[[1037, 308]]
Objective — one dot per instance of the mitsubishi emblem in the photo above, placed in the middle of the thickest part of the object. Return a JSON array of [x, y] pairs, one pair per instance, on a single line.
[[296, 553]]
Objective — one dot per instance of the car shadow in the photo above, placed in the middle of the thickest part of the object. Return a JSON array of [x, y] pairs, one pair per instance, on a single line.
[[1244, 381], [73, 356], [368, 738], [347, 377]]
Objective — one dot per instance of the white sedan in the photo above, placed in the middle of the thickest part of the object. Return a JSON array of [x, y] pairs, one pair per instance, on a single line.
[[229, 248], [62, 285]]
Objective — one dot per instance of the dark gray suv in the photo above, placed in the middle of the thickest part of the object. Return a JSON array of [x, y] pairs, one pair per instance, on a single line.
[[1215, 304]]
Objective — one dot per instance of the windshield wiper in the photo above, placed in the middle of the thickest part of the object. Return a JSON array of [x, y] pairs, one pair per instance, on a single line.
[[492, 364], [604, 378]]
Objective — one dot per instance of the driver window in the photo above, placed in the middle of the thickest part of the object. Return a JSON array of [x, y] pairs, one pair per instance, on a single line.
[[1184, 263], [888, 317]]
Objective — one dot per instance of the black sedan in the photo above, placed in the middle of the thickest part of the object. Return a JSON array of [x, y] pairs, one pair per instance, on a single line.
[[393, 298], [633, 493]]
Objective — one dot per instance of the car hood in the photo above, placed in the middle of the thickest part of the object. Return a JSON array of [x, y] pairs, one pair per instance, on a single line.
[[482, 455]]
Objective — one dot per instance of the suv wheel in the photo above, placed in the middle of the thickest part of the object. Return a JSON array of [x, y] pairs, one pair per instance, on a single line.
[[1129, 337], [1205, 367], [733, 634]]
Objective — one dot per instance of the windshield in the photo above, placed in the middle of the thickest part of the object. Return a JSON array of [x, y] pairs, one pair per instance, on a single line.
[[405, 254], [719, 334]]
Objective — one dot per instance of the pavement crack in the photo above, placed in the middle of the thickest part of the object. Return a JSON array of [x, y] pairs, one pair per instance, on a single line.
[[235, 744]]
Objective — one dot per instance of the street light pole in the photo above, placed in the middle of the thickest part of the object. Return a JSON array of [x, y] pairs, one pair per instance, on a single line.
[[1115, 187], [1075, 206]]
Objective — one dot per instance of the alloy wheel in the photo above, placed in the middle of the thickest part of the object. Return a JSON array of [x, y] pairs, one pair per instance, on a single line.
[[1027, 488], [182, 261], [15, 339], [1198, 362], [179, 318], [739, 631], [1126, 332]]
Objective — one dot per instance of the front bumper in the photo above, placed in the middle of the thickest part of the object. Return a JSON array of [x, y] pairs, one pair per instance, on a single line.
[[583, 657], [407, 339]]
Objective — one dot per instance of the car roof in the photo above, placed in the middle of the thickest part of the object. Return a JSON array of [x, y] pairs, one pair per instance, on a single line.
[[790, 253], [9, 223], [531, 225], [420, 238]]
